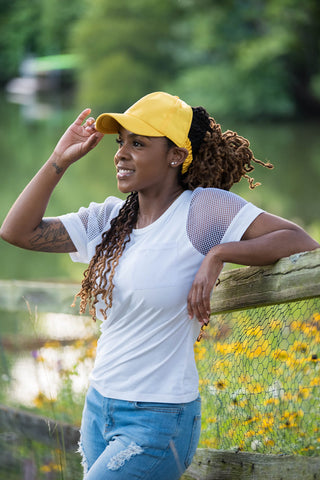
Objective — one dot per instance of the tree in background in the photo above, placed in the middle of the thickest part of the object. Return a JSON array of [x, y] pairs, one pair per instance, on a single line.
[[253, 58], [127, 49], [248, 59], [34, 27], [241, 58]]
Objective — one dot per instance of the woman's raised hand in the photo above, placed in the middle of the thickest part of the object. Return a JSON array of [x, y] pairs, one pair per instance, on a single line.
[[78, 140], [25, 224]]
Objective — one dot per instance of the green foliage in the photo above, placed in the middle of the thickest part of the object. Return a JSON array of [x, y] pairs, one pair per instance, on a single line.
[[127, 50], [243, 59], [253, 58], [38, 27]]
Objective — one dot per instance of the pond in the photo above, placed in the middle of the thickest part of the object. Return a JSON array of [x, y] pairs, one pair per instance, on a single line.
[[290, 190]]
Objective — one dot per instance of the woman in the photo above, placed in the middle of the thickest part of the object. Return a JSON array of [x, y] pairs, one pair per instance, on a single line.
[[153, 262]]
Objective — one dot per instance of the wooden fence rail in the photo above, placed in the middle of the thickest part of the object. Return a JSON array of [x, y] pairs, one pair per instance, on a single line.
[[293, 278]]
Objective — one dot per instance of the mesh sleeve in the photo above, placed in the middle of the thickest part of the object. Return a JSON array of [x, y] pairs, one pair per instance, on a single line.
[[86, 226], [218, 216]]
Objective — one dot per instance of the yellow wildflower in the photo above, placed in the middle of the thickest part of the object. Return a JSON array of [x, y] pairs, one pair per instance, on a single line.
[[255, 331], [280, 354], [267, 422], [296, 325], [289, 419], [315, 382], [288, 397], [220, 384], [50, 467], [199, 352], [78, 343], [203, 382], [52, 344], [306, 449], [301, 347], [40, 359], [41, 399], [212, 420], [309, 330], [210, 443], [254, 388], [263, 348], [272, 401], [274, 324], [91, 351], [224, 348], [303, 392], [269, 442]]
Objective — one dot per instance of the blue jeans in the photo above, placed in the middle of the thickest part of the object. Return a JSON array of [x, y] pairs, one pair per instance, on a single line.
[[123, 440]]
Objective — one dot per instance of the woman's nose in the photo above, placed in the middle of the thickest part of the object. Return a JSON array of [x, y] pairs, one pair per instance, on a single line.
[[122, 152]]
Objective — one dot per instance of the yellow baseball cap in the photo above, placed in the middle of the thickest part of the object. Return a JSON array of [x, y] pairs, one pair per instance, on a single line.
[[158, 114]]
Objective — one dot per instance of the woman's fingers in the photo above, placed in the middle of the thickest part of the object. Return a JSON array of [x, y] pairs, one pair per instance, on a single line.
[[200, 292], [81, 117], [93, 140], [199, 303], [90, 123]]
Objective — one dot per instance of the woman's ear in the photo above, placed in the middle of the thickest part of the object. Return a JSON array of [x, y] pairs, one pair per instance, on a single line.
[[177, 156]]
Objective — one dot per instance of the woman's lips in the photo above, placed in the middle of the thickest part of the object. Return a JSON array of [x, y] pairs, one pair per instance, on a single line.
[[124, 173]]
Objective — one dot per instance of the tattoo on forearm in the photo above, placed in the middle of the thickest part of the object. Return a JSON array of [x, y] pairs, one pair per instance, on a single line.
[[51, 236], [58, 169]]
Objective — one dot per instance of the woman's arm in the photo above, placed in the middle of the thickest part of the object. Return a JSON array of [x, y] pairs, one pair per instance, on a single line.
[[24, 225], [266, 240]]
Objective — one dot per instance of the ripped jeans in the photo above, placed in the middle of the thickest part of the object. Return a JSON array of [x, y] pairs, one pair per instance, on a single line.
[[123, 440]]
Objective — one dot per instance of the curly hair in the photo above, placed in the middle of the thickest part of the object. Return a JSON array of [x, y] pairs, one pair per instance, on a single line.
[[219, 160]]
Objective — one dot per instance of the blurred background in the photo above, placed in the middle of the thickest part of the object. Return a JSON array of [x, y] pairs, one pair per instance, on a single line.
[[254, 64]]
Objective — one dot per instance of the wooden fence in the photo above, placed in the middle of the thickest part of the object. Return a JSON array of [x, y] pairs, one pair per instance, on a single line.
[[293, 278]]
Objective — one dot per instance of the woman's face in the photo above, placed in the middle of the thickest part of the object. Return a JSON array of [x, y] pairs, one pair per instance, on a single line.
[[142, 162]]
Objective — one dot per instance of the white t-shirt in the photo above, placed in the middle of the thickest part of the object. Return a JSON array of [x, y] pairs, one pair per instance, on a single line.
[[145, 350]]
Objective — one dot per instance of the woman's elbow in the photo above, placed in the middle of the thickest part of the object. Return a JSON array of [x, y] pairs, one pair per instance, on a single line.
[[304, 242], [9, 237]]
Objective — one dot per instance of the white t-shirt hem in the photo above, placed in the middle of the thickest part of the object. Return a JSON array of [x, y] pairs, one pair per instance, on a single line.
[[144, 396]]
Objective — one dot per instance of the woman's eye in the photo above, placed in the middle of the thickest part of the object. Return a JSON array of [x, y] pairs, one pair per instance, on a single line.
[[135, 143]]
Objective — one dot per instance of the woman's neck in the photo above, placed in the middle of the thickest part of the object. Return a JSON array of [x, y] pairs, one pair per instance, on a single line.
[[152, 207]]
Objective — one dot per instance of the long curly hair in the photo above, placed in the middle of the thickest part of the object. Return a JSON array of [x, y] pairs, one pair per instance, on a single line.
[[219, 160]]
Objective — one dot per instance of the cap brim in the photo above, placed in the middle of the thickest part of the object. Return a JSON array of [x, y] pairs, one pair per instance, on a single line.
[[110, 123]]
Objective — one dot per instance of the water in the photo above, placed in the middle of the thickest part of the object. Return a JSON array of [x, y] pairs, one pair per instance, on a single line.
[[27, 139], [290, 190], [26, 144]]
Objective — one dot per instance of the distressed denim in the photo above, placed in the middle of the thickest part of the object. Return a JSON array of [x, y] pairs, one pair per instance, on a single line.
[[123, 440]]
